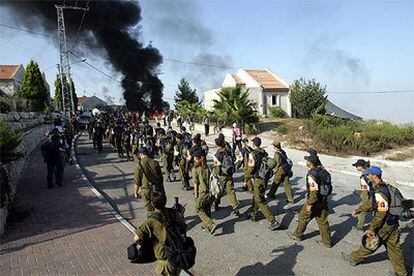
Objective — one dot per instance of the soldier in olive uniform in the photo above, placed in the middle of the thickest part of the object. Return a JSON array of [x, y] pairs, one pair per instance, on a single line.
[[316, 206], [259, 185], [283, 172], [135, 143], [153, 229], [167, 148], [226, 177], [247, 179], [366, 187], [148, 178], [180, 151], [203, 199], [383, 224]]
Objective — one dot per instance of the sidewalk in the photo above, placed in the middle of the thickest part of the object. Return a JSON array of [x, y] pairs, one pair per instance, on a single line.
[[64, 230]]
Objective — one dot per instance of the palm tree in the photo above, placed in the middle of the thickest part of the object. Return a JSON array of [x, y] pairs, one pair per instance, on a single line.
[[234, 105]]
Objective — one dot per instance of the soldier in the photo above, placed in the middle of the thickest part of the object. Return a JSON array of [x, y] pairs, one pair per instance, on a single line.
[[203, 199], [316, 206], [259, 185], [383, 224], [147, 178], [247, 179], [135, 142], [283, 171], [126, 142], [366, 187], [224, 167], [118, 139], [153, 229], [180, 151], [227, 145], [167, 148]]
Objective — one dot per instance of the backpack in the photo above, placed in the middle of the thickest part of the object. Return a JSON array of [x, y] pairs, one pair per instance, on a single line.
[[325, 182], [263, 170], [216, 185], [399, 206], [179, 249], [149, 144], [187, 137], [286, 163], [227, 164]]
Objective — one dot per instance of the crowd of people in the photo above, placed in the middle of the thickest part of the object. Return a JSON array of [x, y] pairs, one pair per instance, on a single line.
[[133, 137]]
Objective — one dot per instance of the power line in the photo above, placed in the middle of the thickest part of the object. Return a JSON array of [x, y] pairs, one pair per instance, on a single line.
[[123, 52], [372, 92], [186, 62]]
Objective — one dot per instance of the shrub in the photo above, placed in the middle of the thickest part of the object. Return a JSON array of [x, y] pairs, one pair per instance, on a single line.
[[277, 112], [282, 129], [5, 107], [338, 134], [9, 140]]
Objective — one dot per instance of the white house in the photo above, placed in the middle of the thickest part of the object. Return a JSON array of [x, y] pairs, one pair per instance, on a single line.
[[266, 90], [11, 77]]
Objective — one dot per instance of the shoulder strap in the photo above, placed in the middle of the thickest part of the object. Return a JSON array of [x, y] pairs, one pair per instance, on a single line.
[[157, 217]]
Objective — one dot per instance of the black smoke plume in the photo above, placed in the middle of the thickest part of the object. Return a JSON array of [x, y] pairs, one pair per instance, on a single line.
[[107, 30]]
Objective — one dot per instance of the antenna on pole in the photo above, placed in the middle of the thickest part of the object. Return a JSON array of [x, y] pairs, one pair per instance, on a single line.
[[68, 105]]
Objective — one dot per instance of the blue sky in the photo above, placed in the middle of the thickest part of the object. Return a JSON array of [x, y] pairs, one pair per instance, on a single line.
[[349, 46]]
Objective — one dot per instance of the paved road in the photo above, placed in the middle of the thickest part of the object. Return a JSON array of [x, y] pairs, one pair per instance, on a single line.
[[63, 231], [242, 247]]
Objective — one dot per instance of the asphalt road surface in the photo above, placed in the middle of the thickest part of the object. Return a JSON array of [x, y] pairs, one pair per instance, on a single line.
[[242, 247]]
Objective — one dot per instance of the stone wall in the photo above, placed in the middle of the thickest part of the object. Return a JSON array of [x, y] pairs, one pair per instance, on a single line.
[[30, 140], [21, 121]]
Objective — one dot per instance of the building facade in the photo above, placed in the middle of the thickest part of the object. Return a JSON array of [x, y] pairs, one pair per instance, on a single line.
[[11, 77], [266, 89], [87, 104]]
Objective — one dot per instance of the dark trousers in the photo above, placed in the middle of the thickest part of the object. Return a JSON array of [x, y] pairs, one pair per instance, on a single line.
[[99, 144], [54, 169], [207, 129]]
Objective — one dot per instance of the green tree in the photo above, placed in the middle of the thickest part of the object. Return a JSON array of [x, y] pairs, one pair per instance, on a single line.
[[234, 105], [33, 86], [186, 108], [58, 92], [307, 97], [185, 93]]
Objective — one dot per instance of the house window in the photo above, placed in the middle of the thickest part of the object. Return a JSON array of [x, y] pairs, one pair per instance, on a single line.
[[275, 100]]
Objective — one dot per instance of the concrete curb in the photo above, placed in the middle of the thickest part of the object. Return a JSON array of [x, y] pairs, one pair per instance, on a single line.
[[110, 208]]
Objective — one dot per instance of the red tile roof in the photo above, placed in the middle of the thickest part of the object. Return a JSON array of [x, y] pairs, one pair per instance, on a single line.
[[266, 79], [7, 72], [82, 100]]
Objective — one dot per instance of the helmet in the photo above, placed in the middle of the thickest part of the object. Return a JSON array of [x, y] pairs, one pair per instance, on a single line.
[[271, 163], [370, 242]]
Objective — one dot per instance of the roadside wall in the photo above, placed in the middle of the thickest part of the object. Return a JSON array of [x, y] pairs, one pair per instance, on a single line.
[[30, 140]]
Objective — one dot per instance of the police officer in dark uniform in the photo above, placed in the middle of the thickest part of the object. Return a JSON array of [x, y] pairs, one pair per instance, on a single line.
[[98, 133], [53, 159], [383, 224]]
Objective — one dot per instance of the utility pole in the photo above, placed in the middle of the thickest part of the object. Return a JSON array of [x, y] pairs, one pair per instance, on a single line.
[[68, 105]]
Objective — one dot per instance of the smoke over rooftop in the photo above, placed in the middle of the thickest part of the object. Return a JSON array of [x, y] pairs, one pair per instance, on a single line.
[[108, 31]]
